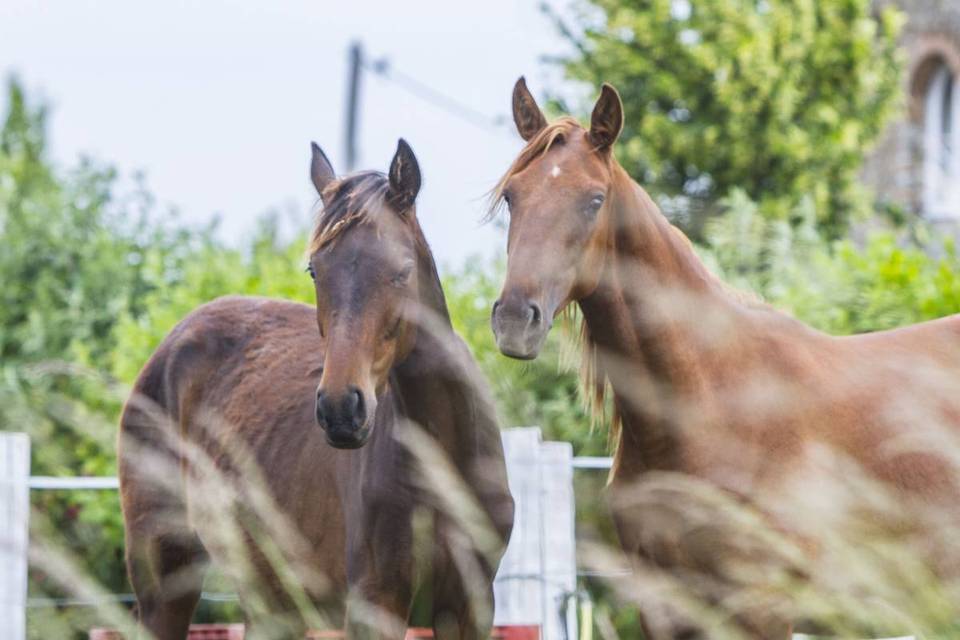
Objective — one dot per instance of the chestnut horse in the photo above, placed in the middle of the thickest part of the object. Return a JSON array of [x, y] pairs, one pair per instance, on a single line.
[[708, 385], [307, 463]]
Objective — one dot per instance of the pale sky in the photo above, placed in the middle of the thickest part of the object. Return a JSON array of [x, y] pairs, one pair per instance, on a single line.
[[217, 101]]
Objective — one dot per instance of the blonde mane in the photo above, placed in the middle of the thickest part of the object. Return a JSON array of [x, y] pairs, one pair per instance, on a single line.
[[594, 383]]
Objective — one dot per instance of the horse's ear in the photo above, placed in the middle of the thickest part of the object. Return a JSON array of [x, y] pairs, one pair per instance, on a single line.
[[607, 119], [526, 114], [404, 178], [321, 171]]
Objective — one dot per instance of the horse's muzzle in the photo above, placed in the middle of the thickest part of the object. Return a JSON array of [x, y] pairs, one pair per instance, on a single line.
[[520, 327], [344, 418]]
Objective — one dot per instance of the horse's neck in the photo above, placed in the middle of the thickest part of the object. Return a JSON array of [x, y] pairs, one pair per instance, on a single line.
[[647, 317], [428, 357], [442, 392], [437, 381], [655, 295], [431, 291]]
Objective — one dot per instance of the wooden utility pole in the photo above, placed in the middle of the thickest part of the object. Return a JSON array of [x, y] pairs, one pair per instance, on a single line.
[[355, 66]]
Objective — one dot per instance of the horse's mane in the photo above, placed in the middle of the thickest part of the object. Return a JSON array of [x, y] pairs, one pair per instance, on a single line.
[[747, 298], [347, 201], [594, 382]]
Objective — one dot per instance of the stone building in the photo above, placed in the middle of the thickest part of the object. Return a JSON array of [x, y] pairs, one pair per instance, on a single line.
[[917, 163]]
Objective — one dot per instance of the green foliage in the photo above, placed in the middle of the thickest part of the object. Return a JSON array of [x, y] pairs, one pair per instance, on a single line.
[[841, 287], [71, 263], [780, 98]]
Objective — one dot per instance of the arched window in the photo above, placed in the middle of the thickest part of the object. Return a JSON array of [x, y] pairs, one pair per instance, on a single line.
[[941, 145]]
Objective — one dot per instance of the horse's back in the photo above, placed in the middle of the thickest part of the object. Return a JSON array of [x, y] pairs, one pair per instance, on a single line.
[[237, 367], [234, 384], [926, 354], [943, 332], [223, 338]]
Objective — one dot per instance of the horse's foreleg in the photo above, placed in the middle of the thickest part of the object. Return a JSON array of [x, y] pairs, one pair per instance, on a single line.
[[462, 596], [458, 616], [378, 611], [166, 561], [167, 576], [380, 575]]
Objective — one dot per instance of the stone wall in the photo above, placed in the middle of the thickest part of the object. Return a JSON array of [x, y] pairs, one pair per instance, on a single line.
[[931, 35]]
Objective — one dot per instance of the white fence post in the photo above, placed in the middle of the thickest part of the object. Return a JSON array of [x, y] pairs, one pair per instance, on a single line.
[[559, 539], [538, 572], [14, 521]]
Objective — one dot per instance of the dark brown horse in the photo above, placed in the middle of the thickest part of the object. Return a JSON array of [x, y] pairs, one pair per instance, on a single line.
[[308, 464], [714, 388]]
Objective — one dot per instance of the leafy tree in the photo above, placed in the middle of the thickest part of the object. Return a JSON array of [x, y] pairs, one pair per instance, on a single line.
[[780, 98], [75, 257]]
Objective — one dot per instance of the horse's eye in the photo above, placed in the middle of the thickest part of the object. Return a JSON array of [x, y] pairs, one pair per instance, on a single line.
[[506, 199], [394, 330], [313, 274], [595, 204], [402, 276]]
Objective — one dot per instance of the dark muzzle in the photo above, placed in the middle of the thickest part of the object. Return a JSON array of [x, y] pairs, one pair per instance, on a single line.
[[343, 417]]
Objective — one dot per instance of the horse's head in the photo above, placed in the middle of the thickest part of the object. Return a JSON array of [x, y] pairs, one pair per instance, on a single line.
[[557, 191], [363, 259]]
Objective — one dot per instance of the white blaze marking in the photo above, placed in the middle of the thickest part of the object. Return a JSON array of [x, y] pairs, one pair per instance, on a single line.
[[555, 172]]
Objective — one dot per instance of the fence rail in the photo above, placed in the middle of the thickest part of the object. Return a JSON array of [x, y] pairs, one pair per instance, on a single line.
[[58, 483], [80, 482]]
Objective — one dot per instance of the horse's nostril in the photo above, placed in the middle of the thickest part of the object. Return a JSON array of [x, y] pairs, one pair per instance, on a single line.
[[354, 406], [320, 413], [352, 401], [535, 314]]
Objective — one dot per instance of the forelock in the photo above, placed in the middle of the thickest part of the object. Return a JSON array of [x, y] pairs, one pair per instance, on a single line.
[[345, 202], [557, 131]]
